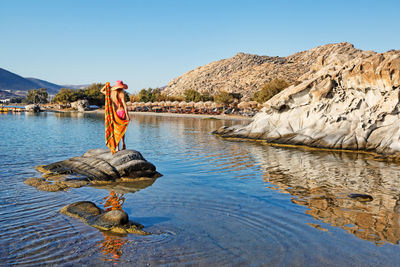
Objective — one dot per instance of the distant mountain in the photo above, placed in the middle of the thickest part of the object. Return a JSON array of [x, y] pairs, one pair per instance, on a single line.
[[12, 84], [71, 86], [51, 87], [6, 95]]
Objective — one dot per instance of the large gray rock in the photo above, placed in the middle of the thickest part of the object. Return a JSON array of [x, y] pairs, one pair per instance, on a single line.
[[33, 108], [81, 105], [100, 165], [346, 101]]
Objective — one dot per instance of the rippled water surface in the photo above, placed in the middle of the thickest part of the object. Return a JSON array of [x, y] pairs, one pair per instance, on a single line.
[[219, 202]]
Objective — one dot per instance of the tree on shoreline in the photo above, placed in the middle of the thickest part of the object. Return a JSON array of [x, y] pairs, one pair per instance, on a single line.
[[37, 96], [91, 93]]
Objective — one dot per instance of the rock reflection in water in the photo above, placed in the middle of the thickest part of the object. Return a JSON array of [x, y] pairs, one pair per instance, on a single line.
[[322, 182], [126, 186]]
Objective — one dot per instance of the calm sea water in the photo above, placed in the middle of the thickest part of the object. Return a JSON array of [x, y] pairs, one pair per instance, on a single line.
[[219, 203]]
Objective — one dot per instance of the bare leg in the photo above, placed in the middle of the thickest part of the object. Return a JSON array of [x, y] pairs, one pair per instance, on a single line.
[[123, 143]]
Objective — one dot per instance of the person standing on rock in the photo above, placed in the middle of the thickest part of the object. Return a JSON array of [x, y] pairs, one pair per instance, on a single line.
[[116, 115]]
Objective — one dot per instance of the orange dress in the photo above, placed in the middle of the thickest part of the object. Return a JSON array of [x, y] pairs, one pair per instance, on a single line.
[[115, 126]]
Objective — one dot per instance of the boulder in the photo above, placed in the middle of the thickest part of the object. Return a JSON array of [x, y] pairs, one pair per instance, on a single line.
[[99, 165], [81, 105], [348, 100], [116, 221], [33, 108], [125, 171]]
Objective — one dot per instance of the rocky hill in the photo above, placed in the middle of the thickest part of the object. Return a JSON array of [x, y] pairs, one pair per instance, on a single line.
[[246, 73], [349, 99]]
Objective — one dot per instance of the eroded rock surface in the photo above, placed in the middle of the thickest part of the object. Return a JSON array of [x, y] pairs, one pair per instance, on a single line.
[[116, 221], [349, 99], [100, 165], [127, 170]]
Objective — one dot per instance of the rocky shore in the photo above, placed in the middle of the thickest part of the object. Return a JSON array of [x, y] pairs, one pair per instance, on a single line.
[[126, 171], [349, 99]]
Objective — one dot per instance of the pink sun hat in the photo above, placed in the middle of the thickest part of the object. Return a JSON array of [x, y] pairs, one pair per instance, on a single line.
[[119, 85]]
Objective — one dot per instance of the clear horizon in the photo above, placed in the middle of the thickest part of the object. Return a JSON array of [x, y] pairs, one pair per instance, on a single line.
[[147, 44]]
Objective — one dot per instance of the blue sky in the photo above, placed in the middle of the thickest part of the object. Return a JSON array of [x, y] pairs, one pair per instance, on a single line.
[[147, 43]]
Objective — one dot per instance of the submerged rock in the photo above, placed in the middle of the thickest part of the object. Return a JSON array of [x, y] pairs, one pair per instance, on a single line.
[[348, 100], [45, 185], [116, 221]]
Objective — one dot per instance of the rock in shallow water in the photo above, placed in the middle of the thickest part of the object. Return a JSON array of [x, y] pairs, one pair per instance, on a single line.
[[44, 185], [126, 168], [116, 221], [101, 165]]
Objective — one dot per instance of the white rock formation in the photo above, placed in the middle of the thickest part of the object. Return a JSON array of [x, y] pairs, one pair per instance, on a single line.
[[348, 100]]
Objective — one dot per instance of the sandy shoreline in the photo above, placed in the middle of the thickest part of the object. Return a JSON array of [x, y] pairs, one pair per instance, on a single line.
[[182, 115]]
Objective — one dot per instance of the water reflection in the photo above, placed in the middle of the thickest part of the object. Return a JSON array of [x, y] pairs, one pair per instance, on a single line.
[[322, 182], [126, 187], [113, 201], [111, 247]]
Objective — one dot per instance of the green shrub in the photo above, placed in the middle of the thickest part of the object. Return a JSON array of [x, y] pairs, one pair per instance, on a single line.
[[91, 93], [224, 97], [269, 90]]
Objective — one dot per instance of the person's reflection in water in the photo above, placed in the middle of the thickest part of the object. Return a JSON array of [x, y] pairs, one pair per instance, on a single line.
[[114, 201], [111, 246]]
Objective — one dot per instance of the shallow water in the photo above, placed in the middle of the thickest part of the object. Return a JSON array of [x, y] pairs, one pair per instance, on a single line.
[[219, 202]]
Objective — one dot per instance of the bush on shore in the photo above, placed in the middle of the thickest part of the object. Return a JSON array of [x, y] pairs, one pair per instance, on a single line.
[[269, 90], [153, 95], [91, 93], [195, 96], [224, 97]]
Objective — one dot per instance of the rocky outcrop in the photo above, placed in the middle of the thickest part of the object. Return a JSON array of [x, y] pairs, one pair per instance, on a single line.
[[33, 108], [246, 74], [81, 105], [101, 165], [349, 99], [97, 166], [115, 221]]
